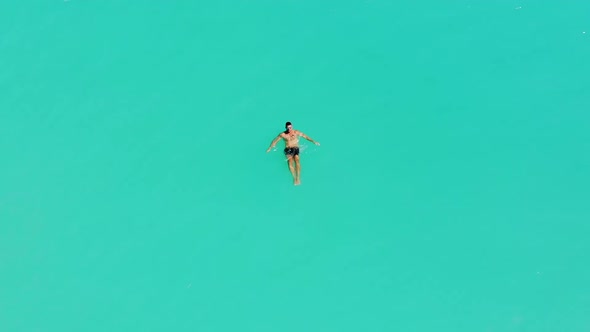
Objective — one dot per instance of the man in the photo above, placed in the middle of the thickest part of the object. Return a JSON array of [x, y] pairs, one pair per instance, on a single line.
[[291, 138]]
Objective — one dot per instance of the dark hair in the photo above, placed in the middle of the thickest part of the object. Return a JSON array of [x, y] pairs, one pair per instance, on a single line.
[[287, 124]]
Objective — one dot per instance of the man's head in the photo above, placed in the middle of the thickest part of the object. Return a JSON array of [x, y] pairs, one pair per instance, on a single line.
[[288, 126]]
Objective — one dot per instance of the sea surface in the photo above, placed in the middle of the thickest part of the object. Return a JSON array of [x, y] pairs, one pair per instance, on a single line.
[[450, 192]]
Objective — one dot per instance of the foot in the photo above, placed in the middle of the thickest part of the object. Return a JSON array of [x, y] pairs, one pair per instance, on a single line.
[[297, 182]]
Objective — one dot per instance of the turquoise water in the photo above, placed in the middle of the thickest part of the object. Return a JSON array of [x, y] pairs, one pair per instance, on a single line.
[[449, 193]]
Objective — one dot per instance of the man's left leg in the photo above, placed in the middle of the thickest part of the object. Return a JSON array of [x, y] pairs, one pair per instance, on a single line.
[[291, 163], [297, 168]]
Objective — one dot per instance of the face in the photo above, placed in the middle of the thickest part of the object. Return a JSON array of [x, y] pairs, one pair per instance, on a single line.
[[289, 127]]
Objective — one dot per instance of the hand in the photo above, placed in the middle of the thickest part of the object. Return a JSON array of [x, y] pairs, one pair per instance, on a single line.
[[268, 150], [317, 143]]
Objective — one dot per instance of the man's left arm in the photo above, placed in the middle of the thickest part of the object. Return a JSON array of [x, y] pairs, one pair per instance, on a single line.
[[308, 138]]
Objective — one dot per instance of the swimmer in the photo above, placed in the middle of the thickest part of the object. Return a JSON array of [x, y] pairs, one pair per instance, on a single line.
[[291, 138]]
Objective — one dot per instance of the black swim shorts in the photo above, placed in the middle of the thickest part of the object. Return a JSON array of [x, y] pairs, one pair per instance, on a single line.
[[292, 151]]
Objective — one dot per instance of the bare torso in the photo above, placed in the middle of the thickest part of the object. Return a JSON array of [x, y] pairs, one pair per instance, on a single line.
[[291, 138]]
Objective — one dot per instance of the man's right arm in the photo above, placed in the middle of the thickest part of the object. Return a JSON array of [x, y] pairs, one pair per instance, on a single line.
[[273, 143]]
